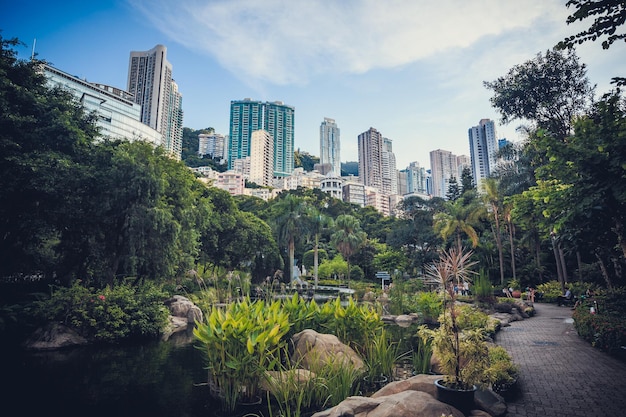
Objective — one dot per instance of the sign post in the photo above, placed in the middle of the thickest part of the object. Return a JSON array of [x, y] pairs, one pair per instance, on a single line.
[[383, 276]]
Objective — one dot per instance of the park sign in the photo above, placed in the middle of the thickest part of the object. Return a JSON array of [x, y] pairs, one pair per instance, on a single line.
[[383, 276]]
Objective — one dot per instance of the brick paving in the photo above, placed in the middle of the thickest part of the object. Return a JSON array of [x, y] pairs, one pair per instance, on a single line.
[[561, 374]]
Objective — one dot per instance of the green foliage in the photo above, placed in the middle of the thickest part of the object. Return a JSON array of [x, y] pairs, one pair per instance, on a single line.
[[107, 315], [380, 356], [605, 329], [337, 267], [240, 344], [548, 90], [421, 355], [501, 372], [551, 291], [429, 305], [482, 289]]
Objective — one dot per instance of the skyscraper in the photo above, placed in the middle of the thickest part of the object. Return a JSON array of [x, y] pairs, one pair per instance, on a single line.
[[330, 145], [279, 122], [443, 165], [261, 158], [390, 173], [483, 148], [150, 82], [371, 158], [247, 116]]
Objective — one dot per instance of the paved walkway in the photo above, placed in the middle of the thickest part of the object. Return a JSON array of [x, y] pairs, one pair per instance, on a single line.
[[561, 374]]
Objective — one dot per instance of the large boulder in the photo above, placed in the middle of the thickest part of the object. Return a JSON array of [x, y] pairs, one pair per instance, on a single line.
[[54, 336], [312, 349], [403, 404], [180, 306], [424, 383]]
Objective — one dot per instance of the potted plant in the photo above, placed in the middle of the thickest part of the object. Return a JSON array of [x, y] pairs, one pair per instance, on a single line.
[[380, 359], [502, 373], [463, 355]]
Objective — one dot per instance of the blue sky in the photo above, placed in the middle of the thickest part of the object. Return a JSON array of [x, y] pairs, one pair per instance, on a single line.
[[413, 69]]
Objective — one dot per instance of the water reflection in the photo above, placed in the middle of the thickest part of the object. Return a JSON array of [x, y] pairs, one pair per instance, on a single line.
[[155, 379]]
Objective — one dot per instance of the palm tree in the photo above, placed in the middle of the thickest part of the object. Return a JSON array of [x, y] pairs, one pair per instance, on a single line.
[[492, 198], [458, 217], [291, 224], [349, 237], [318, 222]]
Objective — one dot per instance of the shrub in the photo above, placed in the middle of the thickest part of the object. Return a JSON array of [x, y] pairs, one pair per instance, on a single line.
[[605, 330], [429, 305], [551, 291], [110, 314]]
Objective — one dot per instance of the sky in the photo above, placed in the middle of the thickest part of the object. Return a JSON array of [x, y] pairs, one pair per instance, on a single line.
[[412, 69]]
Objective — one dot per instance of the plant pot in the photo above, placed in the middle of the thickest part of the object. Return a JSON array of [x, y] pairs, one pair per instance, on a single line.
[[462, 400]]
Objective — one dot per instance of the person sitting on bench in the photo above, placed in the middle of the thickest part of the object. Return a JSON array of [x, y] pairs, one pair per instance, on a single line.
[[568, 298]]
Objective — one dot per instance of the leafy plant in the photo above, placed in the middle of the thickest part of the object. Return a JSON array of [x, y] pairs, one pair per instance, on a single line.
[[421, 355], [501, 372], [241, 343], [380, 356], [462, 355], [107, 315]]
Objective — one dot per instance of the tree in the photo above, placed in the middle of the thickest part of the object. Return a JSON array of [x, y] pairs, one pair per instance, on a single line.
[[492, 198], [318, 222], [458, 217], [467, 181], [549, 91], [454, 191], [348, 238], [45, 136], [608, 16], [291, 224]]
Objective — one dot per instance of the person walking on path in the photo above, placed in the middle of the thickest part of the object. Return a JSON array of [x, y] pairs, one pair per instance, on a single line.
[[560, 373]]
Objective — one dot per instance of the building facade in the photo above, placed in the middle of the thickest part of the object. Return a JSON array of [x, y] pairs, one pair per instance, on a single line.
[[390, 173], [212, 144], [483, 147], [247, 116], [371, 158], [118, 116], [330, 145], [261, 158], [151, 84], [443, 165]]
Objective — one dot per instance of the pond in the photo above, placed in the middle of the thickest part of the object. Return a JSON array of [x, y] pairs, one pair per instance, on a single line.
[[159, 379], [156, 379]]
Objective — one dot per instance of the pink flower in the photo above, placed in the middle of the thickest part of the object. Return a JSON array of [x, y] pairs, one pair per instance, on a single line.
[[101, 297]]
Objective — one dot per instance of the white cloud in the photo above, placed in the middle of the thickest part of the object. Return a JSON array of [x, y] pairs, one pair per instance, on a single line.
[[289, 42]]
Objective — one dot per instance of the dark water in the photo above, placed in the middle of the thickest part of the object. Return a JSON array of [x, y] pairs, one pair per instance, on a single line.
[[159, 379]]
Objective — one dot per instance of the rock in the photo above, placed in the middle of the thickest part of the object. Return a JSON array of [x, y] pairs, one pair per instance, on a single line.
[[490, 402], [424, 383], [294, 377], [402, 404], [312, 348], [54, 336], [180, 306]]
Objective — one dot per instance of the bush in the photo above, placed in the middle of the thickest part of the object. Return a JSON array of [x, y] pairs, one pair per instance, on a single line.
[[107, 315], [550, 290], [606, 329]]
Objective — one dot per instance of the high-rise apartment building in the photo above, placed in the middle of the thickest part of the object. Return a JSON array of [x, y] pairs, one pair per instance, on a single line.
[[483, 147], [390, 173], [330, 145], [443, 165], [371, 158], [262, 158], [279, 122], [212, 144], [415, 178], [150, 81], [247, 116]]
